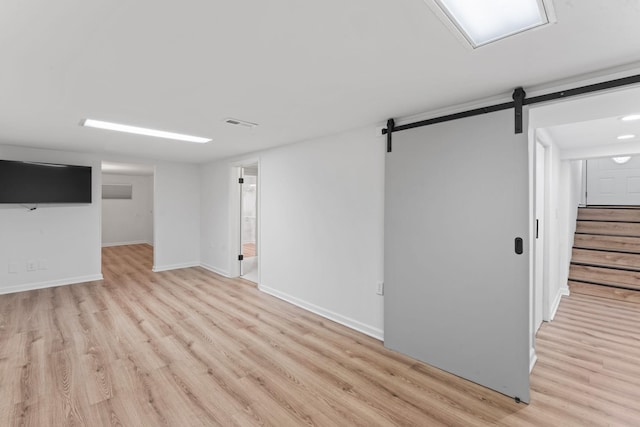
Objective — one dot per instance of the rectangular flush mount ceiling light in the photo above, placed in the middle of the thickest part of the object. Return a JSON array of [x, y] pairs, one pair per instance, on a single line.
[[142, 131], [485, 21]]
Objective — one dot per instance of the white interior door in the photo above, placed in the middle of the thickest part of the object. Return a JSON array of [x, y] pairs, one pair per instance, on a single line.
[[612, 183], [456, 292], [249, 222]]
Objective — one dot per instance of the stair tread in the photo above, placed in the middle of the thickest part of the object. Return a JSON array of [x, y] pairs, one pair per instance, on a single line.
[[606, 276], [608, 228], [604, 291], [610, 243], [606, 214], [606, 259], [610, 207]]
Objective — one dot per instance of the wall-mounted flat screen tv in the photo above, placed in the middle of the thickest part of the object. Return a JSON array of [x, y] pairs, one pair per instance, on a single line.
[[30, 182]]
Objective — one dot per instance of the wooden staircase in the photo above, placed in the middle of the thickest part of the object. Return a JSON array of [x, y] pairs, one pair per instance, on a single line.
[[606, 248]]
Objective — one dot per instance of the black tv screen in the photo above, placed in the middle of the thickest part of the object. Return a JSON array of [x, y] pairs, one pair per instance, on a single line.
[[30, 182]]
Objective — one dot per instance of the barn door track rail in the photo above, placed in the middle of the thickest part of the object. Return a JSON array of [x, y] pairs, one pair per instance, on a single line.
[[519, 100]]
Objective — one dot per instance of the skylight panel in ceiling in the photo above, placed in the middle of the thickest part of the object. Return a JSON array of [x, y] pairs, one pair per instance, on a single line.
[[485, 21]]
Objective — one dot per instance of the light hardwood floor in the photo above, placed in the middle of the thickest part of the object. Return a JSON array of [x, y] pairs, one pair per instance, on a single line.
[[249, 250], [190, 348]]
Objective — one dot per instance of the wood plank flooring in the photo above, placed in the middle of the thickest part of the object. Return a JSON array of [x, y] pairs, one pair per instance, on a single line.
[[249, 250], [191, 348]]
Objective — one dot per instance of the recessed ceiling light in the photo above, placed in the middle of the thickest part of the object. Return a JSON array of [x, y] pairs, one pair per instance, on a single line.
[[143, 131], [621, 160], [485, 21], [631, 118], [626, 136]]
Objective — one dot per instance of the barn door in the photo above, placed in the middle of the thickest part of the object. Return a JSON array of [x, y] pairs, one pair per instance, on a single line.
[[456, 216]]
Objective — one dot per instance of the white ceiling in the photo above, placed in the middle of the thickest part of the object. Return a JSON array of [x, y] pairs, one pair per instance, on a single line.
[[588, 126], [594, 133], [299, 69]]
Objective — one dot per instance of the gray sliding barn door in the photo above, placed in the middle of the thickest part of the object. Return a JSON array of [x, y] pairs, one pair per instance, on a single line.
[[456, 293]]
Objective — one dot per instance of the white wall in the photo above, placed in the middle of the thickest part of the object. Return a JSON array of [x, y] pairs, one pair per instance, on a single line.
[[63, 239], [177, 218], [66, 239], [563, 188], [128, 221], [321, 225], [571, 179], [214, 227]]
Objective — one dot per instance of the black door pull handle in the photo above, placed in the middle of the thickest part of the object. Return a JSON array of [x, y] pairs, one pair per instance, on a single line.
[[519, 245]]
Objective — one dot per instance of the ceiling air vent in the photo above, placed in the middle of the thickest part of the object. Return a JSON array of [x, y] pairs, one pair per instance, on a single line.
[[237, 122]]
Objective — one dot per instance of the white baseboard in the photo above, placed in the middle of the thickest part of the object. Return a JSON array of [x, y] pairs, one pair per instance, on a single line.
[[533, 358], [135, 242], [159, 268], [215, 270], [556, 302], [343, 320], [50, 284]]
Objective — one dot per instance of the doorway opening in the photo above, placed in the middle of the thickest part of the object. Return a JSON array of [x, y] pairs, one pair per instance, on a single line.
[[580, 139], [248, 223], [127, 208], [539, 236]]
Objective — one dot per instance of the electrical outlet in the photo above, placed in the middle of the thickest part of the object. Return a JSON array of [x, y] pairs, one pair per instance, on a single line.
[[32, 265], [380, 290]]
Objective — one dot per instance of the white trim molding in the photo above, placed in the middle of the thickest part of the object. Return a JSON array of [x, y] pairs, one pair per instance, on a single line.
[[137, 242], [556, 302], [328, 314], [158, 269], [533, 358], [216, 270], [50, 284]]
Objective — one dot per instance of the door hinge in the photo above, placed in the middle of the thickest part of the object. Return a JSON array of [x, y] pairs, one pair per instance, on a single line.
[[240, 180], [240, 257]]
